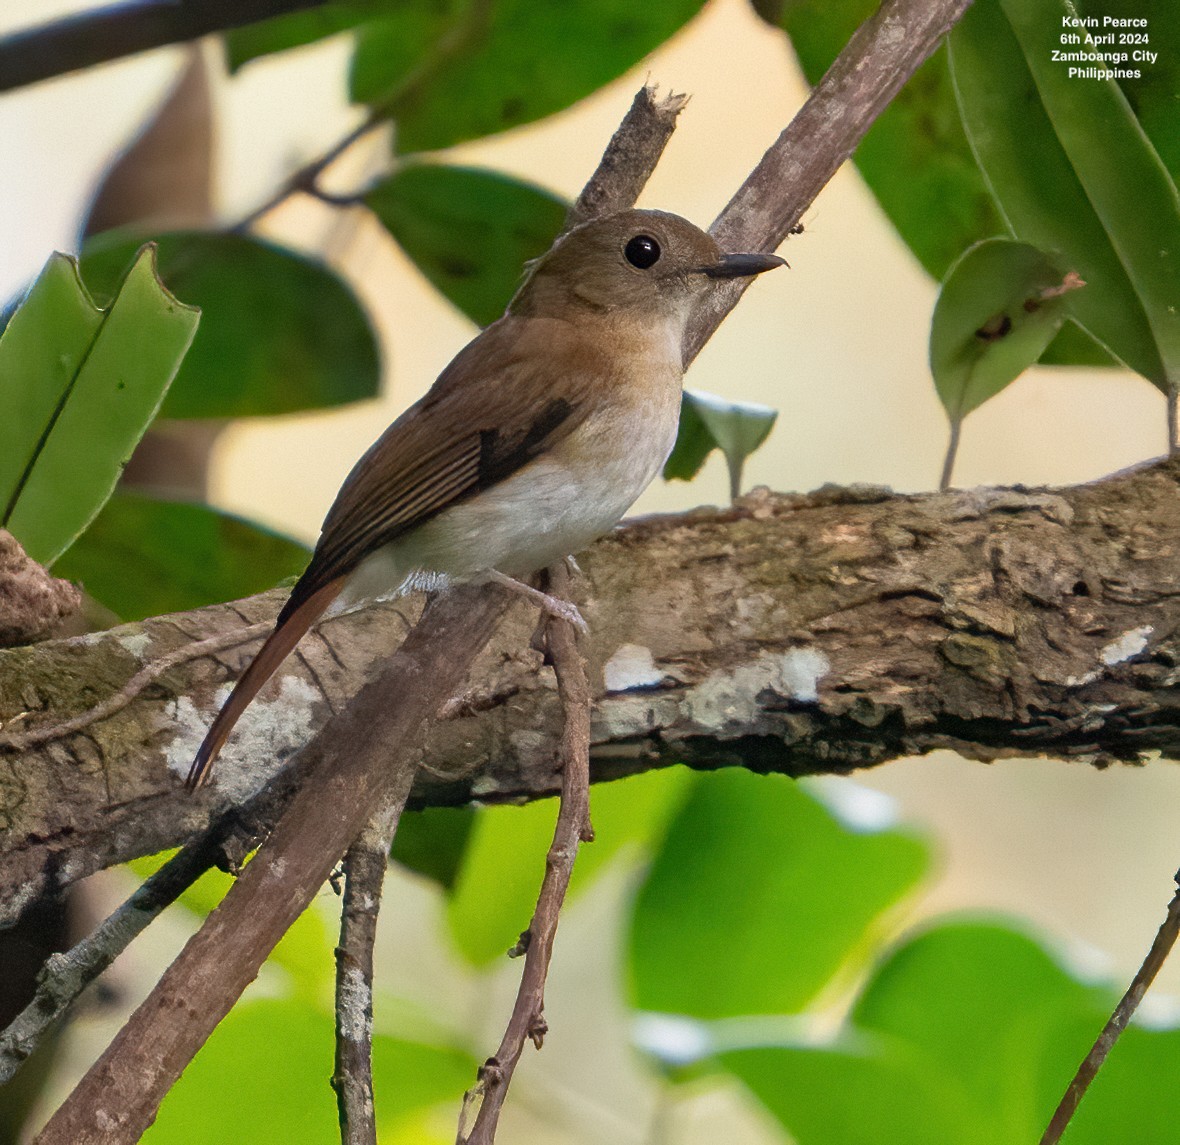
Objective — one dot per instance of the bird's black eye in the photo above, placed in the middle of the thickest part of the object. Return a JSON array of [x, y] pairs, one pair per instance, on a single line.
[[642, 251]]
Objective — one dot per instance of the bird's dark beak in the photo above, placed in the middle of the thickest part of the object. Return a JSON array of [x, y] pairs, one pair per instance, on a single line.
[[743, 265]]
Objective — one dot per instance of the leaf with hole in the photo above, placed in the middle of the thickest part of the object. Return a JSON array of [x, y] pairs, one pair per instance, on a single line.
[[709, 422], [1000, 306], [468, 230], [79, 386], [281, 331]]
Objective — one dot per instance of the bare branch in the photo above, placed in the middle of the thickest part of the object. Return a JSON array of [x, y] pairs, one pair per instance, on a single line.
[[573, 827], [1161, 947], [352, 768], [225, 843], [630, 157], [875, 65], [842, 629], [104, 34], [364, 877]]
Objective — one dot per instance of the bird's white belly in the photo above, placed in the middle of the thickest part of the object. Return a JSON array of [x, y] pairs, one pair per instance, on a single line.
[[556, 505]]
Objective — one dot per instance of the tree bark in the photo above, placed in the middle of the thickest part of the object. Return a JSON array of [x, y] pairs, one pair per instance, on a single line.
[[791, 633]]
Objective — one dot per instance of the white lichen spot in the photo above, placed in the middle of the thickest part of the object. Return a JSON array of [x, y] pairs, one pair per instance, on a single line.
[[136, 643], [1127, 646], [802, 670], [631, 667], [730, 698], [271, 727]]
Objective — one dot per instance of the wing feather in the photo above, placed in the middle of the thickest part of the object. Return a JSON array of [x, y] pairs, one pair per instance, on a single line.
[[505, 399]]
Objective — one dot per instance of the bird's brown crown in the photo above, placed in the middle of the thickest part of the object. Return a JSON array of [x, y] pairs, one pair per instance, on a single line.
[[643, 261]]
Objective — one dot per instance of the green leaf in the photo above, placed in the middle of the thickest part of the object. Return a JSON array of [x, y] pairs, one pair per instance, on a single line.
[[79, 386], [281, 33], [496, 888], [915, 158], [409, 1077], [980, 1004], [281, 332], [1042, 196], [1125, 181], [709, 422], [757, 898], [1000, 306], [1152, 95], [860, 1094], [496, 64], [1134, 1098], [433, 842], [146, 557], [285, 1046], [470, 231]]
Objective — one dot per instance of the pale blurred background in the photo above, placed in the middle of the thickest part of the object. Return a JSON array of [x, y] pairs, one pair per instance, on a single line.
[[837, 343]]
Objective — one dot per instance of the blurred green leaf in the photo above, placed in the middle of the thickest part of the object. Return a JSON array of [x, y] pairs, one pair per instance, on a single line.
[[709, 422], [145, 557], [409, 1077], [1035, 180], [1153, 95], [497, 885], [1125, 181], [1072, 346], [262, 1077], [285, 1048], [469, 231], [79, 386], [1134, 1098], [980, 1004], [998, 309], [915, 158], [433, 842], [757, 898], [499, 63], [863, 1094], [280, 333]]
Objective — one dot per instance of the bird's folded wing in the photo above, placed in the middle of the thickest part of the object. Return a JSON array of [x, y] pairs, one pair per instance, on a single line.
[[488, 415]]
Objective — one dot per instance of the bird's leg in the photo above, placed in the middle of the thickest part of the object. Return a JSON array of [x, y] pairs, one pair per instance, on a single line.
[[554, 606]]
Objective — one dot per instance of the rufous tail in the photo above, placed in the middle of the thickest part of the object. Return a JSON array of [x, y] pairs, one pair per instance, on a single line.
[[287, 633]]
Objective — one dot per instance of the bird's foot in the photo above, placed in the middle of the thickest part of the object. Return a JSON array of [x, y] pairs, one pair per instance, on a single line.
[[549, 604]]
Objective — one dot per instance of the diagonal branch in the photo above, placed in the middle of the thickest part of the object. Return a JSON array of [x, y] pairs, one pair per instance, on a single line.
[[350, 771]]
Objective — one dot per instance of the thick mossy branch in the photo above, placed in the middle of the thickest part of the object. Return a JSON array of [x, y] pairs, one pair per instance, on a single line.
[[801, 634]]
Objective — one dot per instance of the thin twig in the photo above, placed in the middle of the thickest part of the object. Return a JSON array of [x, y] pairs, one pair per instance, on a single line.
[[874, 66], [573, 827], [626, 165], [470, 23], [348, 770], [364, 876], [225, 843], [149, 673], [952, 453], [1161, 947]]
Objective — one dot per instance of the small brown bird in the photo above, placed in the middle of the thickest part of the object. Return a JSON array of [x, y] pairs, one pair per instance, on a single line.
[[532, 443]]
